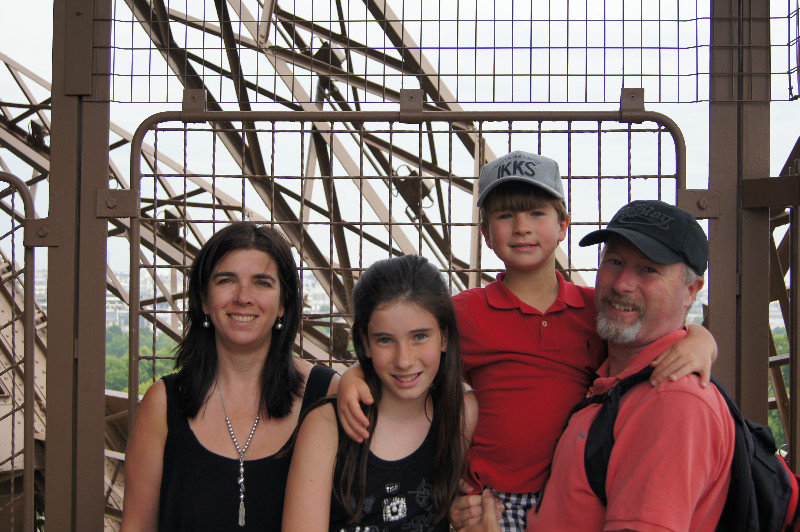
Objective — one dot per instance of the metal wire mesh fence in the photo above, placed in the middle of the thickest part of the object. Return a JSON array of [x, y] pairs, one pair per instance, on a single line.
[[346, 196], [461, 53]]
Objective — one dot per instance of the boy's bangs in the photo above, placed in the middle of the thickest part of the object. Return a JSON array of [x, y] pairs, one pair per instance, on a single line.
[[514, 199]]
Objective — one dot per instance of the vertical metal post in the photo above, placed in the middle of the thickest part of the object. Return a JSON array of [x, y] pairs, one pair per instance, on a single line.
[[794, 338], [723, 233], [739, 149], [76, 283], [29, 270], [754, 96]]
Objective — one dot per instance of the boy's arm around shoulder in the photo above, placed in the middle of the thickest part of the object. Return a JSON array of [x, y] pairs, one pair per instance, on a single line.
[[353, 390], [693, 354], [307, 504], [144, 462]]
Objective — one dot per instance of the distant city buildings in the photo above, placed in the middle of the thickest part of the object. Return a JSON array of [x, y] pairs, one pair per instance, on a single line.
[[315, 299], [696, 312]]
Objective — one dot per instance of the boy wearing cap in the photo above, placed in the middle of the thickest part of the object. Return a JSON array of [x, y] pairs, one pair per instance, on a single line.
[[528, 366], [670, 463]]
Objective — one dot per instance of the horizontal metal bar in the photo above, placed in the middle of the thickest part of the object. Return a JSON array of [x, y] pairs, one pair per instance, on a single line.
[[394, 116], [770, 192], [461, 119], [779, 360]]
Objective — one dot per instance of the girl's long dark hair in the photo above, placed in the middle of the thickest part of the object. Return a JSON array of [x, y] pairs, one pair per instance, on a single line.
[[413, 279], [197, 353]]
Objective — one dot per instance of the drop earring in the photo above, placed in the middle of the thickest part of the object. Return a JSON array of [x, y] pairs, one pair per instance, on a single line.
[[279, 323], [206, 323]]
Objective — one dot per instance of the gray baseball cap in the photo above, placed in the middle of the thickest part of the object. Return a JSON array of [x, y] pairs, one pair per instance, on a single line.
[[520, 166]]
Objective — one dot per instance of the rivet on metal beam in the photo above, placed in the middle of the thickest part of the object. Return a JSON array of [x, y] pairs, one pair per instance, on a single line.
[[631, 100], [41, 232], [194, 100], [411, 102], [700, 202], [117, 204]]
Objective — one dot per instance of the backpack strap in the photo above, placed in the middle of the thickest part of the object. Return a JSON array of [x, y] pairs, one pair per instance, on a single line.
[[600, 439]]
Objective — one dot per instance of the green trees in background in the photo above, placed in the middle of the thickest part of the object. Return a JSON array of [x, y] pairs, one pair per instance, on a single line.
[[781, 340], [117, 363], [117, 357]]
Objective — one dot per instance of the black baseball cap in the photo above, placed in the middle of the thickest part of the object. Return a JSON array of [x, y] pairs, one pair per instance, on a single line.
[[665, 233]]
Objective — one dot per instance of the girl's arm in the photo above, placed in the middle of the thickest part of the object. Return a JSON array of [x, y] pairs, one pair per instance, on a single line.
[[307, 506], [353, 391], [144, 461], [693, 354]]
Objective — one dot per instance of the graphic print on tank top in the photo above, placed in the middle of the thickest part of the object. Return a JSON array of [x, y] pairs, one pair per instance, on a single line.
[[394, 509]]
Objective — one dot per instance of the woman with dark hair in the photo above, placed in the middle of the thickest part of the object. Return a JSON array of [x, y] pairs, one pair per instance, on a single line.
[[405, 475], [222, 422]]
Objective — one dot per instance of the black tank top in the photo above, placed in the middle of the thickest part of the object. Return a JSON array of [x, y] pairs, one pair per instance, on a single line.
[[198, 488], [397, 494]]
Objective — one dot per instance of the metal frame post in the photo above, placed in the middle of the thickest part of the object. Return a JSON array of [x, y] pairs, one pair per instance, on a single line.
[[739, 150], [76, 282]]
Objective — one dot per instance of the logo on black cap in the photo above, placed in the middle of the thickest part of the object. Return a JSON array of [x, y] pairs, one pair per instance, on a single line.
[[643, 214]]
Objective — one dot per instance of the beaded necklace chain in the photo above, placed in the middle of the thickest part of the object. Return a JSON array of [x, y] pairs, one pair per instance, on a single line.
[[240, 450]]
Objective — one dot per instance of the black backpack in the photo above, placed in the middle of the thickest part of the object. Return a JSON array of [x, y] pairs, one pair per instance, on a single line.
[[763, 492]]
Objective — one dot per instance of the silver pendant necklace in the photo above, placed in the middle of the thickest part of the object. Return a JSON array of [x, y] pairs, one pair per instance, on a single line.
[[240, 450]]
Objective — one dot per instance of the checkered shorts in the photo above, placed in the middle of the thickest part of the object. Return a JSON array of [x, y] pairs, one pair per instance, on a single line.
[[517, 506]]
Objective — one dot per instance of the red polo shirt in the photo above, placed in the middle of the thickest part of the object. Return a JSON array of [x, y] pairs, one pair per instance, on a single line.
[[528, 369], [670, 465]]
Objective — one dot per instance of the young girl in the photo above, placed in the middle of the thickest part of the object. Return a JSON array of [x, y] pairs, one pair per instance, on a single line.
[[406, 472]]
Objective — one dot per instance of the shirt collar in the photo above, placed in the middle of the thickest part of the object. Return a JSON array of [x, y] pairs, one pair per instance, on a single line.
[[500, 297], [603, 383]]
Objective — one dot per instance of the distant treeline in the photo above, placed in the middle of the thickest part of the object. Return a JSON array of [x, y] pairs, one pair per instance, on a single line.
[[117, 363], [117, 357]]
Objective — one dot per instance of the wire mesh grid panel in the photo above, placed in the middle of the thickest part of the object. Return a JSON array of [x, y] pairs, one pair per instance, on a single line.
[[345, 196], [359, 54]]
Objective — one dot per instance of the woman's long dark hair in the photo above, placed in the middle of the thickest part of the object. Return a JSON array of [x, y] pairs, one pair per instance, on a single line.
[[197, 353], [412, 279]]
